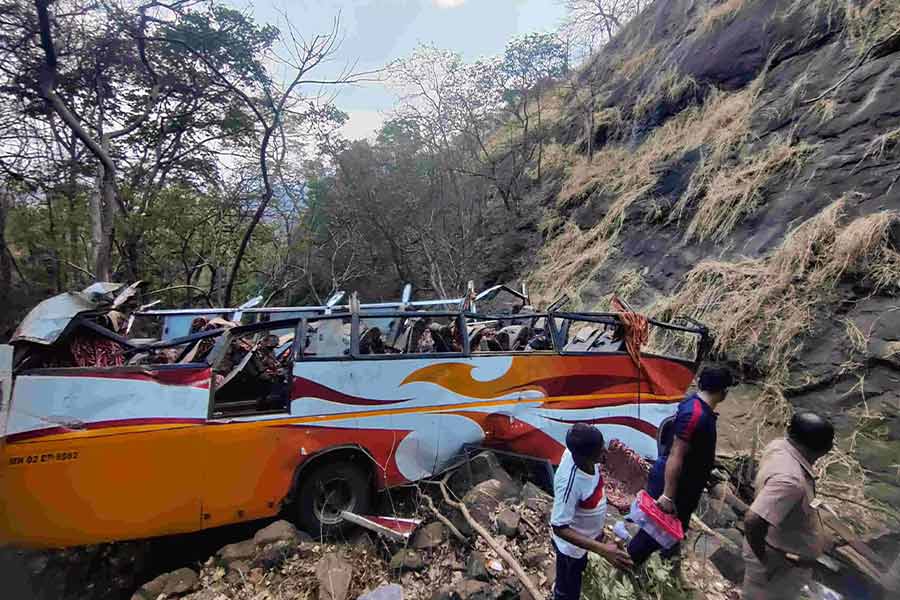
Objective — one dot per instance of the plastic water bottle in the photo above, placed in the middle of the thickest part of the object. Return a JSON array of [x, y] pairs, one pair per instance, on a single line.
[[621, 532]]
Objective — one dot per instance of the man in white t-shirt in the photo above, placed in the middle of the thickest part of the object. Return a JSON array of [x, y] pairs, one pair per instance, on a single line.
[[579, 511]]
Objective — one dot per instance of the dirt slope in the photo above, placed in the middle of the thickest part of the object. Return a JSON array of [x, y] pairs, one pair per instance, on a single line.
[[739, 162]]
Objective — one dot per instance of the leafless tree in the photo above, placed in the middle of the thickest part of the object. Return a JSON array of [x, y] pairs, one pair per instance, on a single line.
[[270, 102], [592, 23]]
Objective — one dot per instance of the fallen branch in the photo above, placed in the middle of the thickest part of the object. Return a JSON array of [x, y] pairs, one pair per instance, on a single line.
[[695, 520], [532, 526], [506, 556], [440, 517]]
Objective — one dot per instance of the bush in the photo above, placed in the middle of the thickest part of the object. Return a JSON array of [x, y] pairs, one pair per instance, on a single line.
[[656, 580]]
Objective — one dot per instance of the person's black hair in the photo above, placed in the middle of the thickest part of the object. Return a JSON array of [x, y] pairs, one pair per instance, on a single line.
[[583, 440], [812, 431], [715, 379]]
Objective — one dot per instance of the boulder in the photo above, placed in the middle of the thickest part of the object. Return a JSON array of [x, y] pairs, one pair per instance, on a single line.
[[407, 559], [274, 555], [181, 581], [484, 500], [534, 558], [484, 466], [508, 523], [280, 531], [333, 574], [735, 535], [476, 568], [536, 499], [471, 589], [541, 507], [706, 544], [716, 514], [361, 539], [238, 551], [430, 536], [729, 562], [531, 491], [176, 583], [390, 591]]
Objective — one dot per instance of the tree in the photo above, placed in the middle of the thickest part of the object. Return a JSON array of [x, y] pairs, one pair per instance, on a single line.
[[97, 138], [529, 64], [592, 23], [216, 39]]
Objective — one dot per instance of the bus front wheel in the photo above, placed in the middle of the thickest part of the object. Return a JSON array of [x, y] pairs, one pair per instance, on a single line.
[[329, 489]]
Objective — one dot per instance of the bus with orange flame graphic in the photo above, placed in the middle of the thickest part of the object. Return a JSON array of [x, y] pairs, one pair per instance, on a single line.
[[308, 411]]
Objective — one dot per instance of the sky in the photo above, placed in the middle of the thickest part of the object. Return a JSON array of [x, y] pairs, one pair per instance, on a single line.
[[376, 32]]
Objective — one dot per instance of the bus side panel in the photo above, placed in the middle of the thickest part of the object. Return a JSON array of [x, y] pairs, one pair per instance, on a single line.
[[117, 455], [82, 489], [248, 470]]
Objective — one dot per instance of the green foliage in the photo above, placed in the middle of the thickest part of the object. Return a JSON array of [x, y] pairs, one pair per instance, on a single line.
[[656, 580], [229, 39]]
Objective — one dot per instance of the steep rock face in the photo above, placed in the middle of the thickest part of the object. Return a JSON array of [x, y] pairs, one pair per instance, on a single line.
[[712, 131]]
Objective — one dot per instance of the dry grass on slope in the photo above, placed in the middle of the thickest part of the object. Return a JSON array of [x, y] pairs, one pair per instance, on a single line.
[[735, 192], [760, 309], [871, 21], [718, 13], [721, 124], [569, 258]]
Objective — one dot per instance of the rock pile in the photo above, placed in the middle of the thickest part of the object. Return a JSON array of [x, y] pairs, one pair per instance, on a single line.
[[280, 562]]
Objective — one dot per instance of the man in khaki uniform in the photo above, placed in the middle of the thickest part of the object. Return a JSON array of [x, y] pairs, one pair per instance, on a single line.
[[784, 536]]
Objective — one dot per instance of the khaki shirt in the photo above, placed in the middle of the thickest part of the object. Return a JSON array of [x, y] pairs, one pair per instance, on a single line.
[[785, 490]]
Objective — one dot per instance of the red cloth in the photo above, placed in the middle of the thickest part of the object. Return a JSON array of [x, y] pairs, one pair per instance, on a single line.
[[637, 329]]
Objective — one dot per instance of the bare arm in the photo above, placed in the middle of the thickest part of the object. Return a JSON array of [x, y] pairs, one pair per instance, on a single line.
[[755, 529], [611, 552], [673, 467]]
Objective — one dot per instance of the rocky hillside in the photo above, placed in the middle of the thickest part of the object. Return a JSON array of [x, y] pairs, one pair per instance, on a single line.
[[738, 161]]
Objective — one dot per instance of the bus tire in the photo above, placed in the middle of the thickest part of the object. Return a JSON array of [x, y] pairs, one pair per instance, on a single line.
[[329, 488]]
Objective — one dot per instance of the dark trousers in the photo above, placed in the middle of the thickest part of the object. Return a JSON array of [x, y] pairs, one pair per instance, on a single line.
[[569, 572], [642, 546]]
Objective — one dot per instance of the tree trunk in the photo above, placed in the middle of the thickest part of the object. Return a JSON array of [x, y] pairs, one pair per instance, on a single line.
[[102, 236], [53, 244], [5, 262], [71, 193], [95, 212], [268, 192], [541, 134]]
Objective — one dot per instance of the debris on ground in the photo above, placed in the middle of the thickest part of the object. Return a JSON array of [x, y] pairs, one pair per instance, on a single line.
[[432, 564], [440, 562]]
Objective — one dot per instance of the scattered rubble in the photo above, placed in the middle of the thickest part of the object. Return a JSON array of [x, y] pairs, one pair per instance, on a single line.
[[174, 584], [239, 551], [407, 560], [280, 531], [508, 523], [430, 536], [334, 575], [279, 562]]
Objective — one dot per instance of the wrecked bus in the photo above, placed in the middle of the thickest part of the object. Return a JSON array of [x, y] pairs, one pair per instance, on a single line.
[[111, 433]]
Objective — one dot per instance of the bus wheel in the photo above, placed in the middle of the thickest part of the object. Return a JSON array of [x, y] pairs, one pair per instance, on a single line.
[[329, 489]]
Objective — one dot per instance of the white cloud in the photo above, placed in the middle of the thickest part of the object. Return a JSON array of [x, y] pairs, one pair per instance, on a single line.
[[448, 3], [362, 124]]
